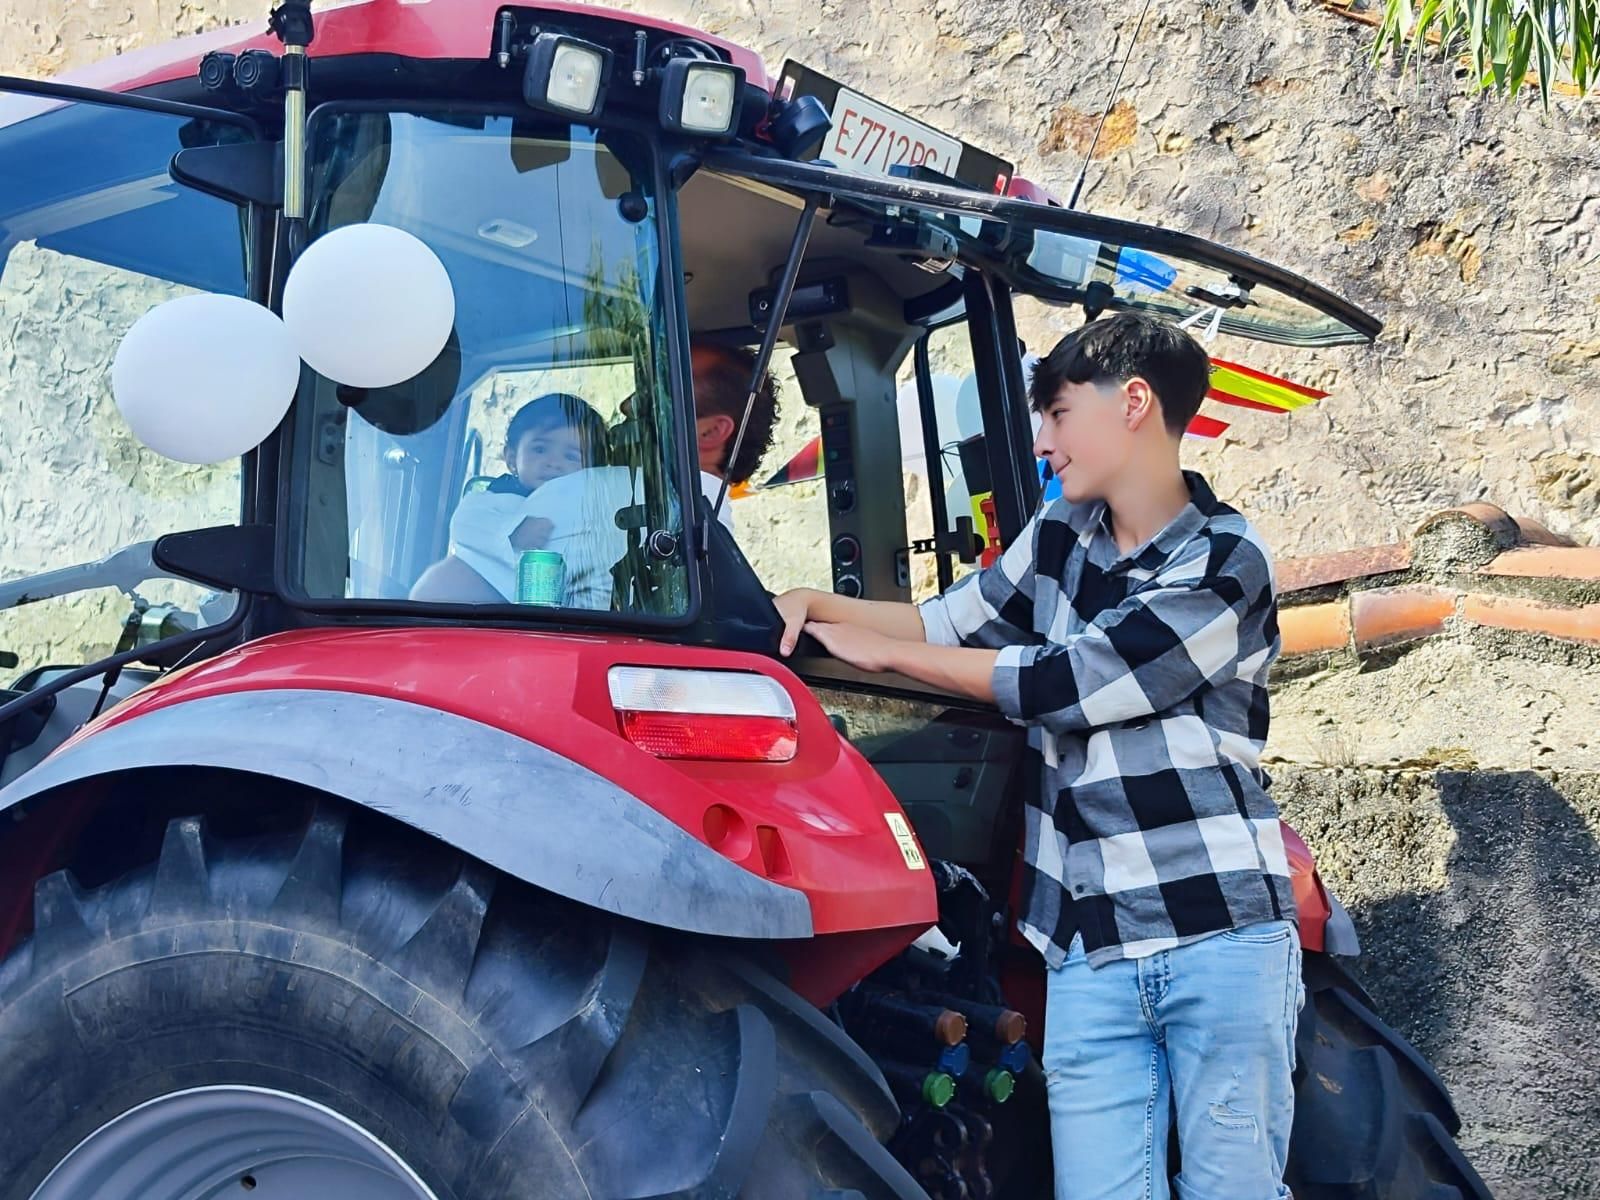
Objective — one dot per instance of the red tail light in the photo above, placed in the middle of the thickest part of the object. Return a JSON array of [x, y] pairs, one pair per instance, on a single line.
[[721, 716]]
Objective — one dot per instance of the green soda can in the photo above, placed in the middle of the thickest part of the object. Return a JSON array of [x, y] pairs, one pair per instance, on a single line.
[[541, 575]]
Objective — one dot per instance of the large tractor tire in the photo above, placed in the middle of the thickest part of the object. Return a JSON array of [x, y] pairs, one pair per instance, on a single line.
[[355, 1011], [1372, 1119]]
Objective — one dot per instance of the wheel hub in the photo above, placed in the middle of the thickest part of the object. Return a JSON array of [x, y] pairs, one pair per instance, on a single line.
[[232, 1143]]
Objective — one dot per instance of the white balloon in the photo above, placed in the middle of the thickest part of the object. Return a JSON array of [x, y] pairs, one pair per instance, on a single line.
[[369, 305], [205, 378]]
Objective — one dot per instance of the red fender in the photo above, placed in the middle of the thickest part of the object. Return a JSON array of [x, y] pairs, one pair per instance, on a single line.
[[1310, 897]]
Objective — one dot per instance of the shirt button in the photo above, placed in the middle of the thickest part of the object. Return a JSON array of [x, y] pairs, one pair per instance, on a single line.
[[1079, 889]]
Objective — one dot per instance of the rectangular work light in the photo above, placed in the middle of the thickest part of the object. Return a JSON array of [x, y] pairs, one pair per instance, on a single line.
[[566, 75], [700, 98]]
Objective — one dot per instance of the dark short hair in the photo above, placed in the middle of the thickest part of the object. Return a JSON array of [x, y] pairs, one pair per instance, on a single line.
[[556, 410], [721, 390], [1117, 348]]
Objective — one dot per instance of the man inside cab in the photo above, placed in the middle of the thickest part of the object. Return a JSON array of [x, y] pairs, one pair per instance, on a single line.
[[721, 376]]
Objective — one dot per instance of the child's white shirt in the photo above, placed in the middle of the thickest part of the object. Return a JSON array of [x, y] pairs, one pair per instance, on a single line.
[[582, 509]]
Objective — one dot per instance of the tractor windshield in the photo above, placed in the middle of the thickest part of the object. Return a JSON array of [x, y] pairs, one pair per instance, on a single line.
[[535, 461]]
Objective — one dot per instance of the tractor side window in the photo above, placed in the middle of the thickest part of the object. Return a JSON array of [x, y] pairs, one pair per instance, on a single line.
[[957, 423], [781, 516], [952, 767], [94, 234]]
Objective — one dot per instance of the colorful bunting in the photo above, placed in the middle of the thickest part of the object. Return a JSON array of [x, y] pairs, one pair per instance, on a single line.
[[805, 465], [1206, 427]]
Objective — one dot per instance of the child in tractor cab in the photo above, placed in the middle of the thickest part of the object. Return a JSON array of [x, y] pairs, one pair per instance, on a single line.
[[549, 438], [1130, 626]]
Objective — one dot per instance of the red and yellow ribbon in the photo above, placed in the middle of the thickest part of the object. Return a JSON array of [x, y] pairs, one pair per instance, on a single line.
[[1247, 388]]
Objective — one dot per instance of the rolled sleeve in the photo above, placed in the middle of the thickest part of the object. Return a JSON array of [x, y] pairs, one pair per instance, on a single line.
[[1009, 666], [937, 627]]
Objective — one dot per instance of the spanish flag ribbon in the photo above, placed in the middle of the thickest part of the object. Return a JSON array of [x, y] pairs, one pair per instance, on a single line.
[[1206, 427], [1248, 388]]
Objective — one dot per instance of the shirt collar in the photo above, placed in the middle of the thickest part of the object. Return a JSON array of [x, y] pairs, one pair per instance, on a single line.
[[1153, 555]]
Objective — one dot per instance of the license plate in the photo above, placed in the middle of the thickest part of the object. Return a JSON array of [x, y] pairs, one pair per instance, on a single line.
[[870, 139]]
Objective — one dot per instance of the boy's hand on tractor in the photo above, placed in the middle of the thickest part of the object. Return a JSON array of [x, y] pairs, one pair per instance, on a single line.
[[794, 607], [862, 648]]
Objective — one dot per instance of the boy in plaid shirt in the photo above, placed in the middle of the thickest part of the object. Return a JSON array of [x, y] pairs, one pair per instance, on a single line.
[[1131, 626]]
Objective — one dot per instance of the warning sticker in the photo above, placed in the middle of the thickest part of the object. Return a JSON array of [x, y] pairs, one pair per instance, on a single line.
[[907, 841]]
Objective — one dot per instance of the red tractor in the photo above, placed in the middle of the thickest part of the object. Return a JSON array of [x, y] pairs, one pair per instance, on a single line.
[[314, 888]]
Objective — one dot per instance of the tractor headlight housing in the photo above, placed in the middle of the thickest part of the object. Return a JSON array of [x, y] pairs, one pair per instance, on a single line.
[[566, 75], [700, 98]]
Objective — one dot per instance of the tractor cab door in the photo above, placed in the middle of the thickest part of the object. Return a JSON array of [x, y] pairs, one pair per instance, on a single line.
[[94, 233], [1053, 270]]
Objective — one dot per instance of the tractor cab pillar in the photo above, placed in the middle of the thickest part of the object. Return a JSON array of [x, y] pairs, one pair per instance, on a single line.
[[846, 367]]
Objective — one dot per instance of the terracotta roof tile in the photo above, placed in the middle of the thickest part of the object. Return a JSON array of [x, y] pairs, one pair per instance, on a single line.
[[1388, 615], [1572, 622], [1310, 628], [1549, 562], [1477, 538], [1320, 570]]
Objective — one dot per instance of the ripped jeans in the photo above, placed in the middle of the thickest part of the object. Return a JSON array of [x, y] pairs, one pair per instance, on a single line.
[[1205, 1031]]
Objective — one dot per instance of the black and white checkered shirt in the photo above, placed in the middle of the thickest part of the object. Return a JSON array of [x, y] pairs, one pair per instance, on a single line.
[[1143, 679]]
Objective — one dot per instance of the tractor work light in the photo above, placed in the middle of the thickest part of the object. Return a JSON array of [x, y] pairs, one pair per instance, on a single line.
[[700, 98], [717, 716], [566, 75]]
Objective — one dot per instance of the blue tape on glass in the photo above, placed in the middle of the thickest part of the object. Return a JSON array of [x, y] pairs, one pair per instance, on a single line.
[[1143, 271]]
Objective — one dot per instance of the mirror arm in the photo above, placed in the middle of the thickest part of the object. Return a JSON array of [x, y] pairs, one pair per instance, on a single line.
[[115, 662], [124, 570]]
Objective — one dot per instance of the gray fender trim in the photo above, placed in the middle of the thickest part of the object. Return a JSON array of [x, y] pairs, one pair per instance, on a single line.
[[1339, 935], [517, 806]]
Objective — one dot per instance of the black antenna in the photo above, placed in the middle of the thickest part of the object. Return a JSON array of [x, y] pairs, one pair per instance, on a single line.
[[1111, 101]]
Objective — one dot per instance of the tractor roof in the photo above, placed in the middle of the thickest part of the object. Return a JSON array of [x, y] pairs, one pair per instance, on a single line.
[[426, 29]]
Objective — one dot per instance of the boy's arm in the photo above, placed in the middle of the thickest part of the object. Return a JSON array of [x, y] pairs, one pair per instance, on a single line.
[[884, 617], [992, 608], [1153, 651]]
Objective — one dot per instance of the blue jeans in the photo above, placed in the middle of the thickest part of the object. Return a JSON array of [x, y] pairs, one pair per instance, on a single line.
[[1206, 1029]]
